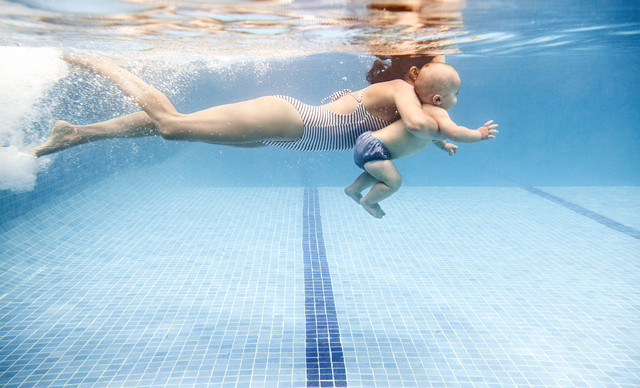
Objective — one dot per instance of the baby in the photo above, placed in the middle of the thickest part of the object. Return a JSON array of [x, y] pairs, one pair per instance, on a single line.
[[437, 88]]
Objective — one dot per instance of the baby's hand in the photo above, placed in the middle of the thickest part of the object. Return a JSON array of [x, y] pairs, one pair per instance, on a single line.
[[487, 131], [450, 148]]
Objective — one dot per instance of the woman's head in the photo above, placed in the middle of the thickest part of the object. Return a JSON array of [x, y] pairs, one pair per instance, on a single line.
[[388, 68]]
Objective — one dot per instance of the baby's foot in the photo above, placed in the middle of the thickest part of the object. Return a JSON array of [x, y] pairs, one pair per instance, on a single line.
[[63, 135], [373, 209], [355, 195]]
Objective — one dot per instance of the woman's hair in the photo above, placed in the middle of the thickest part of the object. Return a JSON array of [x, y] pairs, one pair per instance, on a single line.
[[388, 68]]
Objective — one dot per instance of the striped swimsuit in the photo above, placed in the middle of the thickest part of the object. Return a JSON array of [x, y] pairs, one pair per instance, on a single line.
[[328, 131]]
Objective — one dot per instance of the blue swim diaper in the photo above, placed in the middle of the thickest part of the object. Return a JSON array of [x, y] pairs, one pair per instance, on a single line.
[[369, 148]]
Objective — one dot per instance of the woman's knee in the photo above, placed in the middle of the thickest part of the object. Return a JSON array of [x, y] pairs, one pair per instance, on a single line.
[[169, 127]]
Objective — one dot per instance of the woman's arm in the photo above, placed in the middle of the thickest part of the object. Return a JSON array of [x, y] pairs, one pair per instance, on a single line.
[[411, 112]]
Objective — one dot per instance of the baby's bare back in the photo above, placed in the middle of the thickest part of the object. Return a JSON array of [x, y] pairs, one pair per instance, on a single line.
[[399, 141]]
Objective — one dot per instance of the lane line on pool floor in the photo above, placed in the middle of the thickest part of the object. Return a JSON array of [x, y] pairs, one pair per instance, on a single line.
[[324, 357], [606, 221]]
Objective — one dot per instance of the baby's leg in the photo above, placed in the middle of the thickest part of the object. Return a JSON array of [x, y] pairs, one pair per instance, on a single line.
[[388, 182], [363, 182], [65, 135]]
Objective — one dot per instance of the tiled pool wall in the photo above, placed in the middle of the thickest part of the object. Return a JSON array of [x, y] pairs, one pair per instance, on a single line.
[[79, 99], [70, 172]]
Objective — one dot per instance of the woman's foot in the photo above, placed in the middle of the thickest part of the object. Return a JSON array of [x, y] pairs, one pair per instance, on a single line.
[[63, 135]]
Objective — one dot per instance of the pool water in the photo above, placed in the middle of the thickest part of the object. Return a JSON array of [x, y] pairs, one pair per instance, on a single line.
[[145, 262]]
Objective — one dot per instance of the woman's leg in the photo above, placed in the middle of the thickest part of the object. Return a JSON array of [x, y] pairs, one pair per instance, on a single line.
[[65, 135], [245, 122]]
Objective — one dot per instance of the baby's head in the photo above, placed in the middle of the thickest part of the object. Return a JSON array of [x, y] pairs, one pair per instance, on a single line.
[[436, 84]]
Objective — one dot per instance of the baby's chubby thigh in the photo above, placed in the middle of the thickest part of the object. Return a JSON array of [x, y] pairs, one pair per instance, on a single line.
[[386, 172]]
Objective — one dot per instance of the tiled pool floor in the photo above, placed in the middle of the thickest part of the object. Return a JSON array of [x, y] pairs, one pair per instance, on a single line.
[[136, 282]]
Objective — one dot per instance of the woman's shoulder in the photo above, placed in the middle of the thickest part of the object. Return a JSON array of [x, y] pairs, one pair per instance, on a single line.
[[388, 85], [384, 94]]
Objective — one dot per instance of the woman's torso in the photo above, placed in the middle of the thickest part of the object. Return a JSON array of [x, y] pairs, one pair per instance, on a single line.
[[337, 125], [377, 99]]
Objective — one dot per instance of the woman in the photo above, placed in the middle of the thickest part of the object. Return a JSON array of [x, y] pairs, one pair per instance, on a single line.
[[274, 120]]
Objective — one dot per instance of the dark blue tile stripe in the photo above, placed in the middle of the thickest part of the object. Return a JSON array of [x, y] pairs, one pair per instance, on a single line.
[[608, 222], [325, 361]]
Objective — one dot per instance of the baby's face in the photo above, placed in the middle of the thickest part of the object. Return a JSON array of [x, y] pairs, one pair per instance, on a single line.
[[449, 96]]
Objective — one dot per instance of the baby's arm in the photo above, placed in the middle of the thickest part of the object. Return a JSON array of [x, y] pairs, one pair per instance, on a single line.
[[461, 134], [450, 148]]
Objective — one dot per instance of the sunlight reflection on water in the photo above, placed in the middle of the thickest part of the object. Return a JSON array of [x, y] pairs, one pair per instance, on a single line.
[[293, 28], [378, 27]]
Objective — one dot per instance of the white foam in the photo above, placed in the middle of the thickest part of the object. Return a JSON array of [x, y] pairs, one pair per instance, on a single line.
[[27, 73], [19, 170]]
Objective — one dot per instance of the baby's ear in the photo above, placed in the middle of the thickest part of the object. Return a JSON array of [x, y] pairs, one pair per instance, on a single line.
[[413, 72], [437, 100]]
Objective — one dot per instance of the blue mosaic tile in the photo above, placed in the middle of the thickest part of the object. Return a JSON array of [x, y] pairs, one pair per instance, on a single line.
[[131, 290], [618, 203], [481, 286], [325, 361], [135, 281], [606, 221]]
